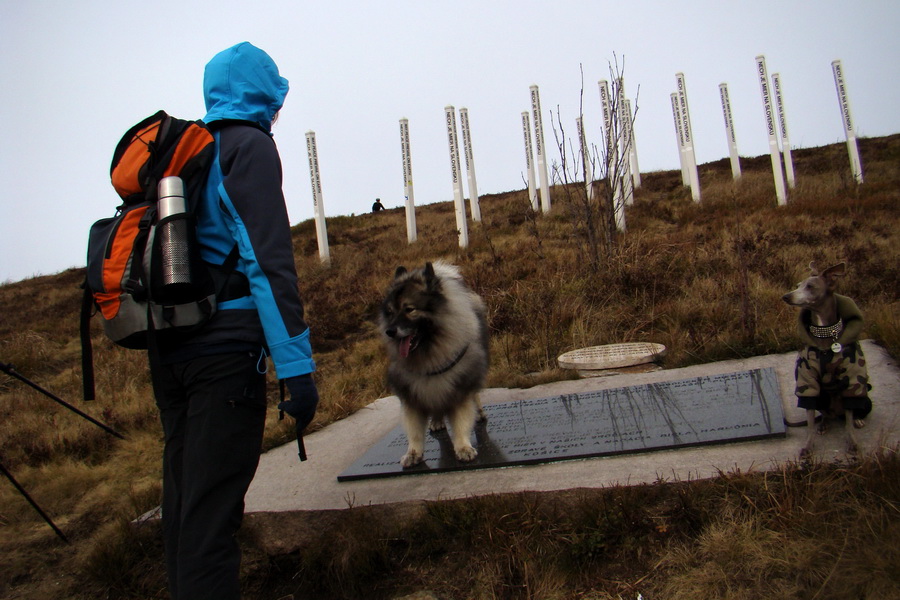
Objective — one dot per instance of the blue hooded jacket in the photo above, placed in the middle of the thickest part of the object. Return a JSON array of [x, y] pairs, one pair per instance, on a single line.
[[243, 205], [243, 83]]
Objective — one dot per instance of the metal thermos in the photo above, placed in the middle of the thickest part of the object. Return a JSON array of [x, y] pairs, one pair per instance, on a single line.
[[173, 235]]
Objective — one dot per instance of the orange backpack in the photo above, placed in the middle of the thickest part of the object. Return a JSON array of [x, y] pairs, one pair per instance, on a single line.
[[123, 259]]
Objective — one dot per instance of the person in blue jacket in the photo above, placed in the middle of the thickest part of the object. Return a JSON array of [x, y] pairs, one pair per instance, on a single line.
[[210, 387]]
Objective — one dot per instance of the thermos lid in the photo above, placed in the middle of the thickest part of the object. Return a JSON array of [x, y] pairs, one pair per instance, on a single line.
[[170, 192], [170, 186]]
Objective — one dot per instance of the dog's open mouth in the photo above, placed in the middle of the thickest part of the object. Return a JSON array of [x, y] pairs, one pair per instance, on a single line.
[[407, 345]]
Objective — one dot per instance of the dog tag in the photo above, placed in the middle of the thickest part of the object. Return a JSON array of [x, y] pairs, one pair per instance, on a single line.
[[836, 348]]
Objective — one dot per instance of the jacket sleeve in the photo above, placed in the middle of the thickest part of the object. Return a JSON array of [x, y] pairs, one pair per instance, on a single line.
[[251, 194]]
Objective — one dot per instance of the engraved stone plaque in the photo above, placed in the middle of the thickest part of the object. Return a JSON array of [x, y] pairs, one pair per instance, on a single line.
[[711, 409]]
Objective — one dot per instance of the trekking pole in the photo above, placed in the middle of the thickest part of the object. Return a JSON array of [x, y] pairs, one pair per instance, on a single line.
[[11, 370], [34, 505]]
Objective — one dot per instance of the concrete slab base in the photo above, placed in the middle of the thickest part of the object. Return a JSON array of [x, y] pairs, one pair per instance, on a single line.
[[283, 484]]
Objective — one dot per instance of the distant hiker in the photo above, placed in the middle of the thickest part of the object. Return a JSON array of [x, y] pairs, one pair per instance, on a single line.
[[377, 205], [210, 386]]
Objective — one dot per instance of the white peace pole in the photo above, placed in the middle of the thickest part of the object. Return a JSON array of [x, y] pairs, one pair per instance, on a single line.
[[624, 121], [408, 182], [693, 176], [540, 149], [461, 226], [679, 139], [529, 159], [613, 176], [606, 108], [729, 132], [635, 168], [844, 100], [780, 193], [785, 139], [470, 165], [585, 160], [318, 207]]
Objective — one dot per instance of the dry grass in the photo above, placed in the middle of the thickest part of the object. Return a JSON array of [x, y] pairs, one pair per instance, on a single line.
[[706, 281], [804, 531]]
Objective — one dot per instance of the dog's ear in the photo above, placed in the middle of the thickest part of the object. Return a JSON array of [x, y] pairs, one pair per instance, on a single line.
[[813, 269], [833, 272], [401, 270], [431, 280]]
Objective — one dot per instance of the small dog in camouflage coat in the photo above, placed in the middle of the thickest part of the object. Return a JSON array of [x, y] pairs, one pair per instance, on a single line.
[[831, 369]]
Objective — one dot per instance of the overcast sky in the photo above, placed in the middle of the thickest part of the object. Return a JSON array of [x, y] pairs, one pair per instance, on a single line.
[[74, 75]]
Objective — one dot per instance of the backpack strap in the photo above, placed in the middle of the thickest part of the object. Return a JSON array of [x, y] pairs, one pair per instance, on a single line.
[[87, 351], [224, 271], [228, 267], [135, 284]]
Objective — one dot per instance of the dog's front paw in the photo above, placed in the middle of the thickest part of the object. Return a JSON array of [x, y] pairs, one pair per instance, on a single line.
[[411, 458], [466, 453], [858, 423]]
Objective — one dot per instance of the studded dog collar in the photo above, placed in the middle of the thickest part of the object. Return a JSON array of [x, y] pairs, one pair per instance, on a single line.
[[830, 332]]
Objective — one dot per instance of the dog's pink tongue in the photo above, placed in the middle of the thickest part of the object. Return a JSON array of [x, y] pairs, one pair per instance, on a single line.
[[405, 344]]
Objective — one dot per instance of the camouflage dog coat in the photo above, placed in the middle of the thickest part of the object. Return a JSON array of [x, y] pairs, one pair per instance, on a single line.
[[822, 373]]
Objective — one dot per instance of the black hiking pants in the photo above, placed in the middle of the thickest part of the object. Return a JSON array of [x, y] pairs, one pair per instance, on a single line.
[[213, 412]]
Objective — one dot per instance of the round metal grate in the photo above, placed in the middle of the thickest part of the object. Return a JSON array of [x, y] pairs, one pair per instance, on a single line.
[[611, 356]]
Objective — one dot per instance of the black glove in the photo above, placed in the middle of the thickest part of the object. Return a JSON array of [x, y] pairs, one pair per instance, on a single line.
[[302, 405]]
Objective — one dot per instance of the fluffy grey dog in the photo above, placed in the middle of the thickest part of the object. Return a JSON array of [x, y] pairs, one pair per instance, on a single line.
[[435, 332]]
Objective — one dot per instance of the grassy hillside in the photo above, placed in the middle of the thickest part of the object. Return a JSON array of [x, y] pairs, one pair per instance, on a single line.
[[705, 280]]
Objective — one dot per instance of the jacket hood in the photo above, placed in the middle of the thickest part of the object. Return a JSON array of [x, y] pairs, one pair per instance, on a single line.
[[243, 83]]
